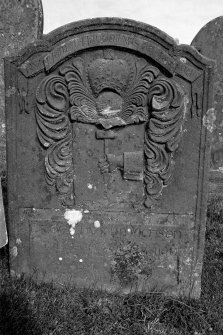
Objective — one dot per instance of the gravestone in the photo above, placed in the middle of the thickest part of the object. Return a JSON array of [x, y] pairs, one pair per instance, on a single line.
[[208, 41], [107, 163], [21, 22]]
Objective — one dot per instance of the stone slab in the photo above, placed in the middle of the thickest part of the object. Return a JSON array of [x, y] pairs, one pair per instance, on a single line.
[[208, 41], [21, 22], [107, 165]]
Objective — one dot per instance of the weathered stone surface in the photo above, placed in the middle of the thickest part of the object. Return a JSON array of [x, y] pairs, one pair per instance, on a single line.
[[107, 162], [21, 22], [3, 231], [208, 41]]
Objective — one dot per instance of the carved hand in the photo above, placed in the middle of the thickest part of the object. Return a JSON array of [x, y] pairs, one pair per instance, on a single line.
[[111, 163]]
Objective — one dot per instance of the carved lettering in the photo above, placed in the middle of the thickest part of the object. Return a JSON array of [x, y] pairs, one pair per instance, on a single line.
[[158, 251], [31, 68], [186, 71], [108, 39]]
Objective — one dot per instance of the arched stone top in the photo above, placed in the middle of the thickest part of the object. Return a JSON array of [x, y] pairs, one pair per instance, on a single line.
[[142, 31]]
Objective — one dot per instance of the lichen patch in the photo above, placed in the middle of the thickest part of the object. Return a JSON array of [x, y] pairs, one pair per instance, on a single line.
[[209, 119], [14, 251], [73, 216], [97, 224], [72, 231], [18, 241]]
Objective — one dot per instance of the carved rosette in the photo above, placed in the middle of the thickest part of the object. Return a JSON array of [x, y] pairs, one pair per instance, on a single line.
[[55, 133], [167, 106], [109, 92]]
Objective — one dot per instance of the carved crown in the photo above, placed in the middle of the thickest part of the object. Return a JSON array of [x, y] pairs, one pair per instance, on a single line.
[[108, 73]]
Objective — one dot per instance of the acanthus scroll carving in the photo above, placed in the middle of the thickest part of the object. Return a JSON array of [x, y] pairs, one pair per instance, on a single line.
[[167, 104], [55, 134]]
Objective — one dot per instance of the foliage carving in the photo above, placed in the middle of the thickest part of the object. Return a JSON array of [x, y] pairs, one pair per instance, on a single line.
[[55, 134], [167, 105]]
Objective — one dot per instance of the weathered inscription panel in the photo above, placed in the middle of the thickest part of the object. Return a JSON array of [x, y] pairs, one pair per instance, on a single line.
[[121, 246], [111, 157]]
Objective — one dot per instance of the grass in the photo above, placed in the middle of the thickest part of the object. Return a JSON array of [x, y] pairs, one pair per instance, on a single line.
[[30, 308]]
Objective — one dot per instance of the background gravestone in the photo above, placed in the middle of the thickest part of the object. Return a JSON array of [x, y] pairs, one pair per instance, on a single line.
[[107, 164], [21, 22], [208, 41]]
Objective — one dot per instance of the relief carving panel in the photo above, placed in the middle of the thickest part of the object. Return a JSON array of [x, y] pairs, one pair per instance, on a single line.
[[113, 91]]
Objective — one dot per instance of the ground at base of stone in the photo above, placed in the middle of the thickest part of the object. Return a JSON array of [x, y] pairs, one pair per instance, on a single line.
[[43, 309]]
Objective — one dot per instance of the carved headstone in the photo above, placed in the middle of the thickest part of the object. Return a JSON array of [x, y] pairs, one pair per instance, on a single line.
[[21, 22], [107, 163], [208, 41]]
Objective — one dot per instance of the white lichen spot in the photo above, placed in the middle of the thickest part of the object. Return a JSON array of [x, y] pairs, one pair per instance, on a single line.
[[60, 258], [129, 230], [97, 224], [18, 241], [12, 273], [220, 168], [10, 91], [90, 186], [86, 211], [187, 261], [81, 260], [72, 231], [73, 216], [209, 120], [72, 236], [186, 102], [183, 60], [14, 251]]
